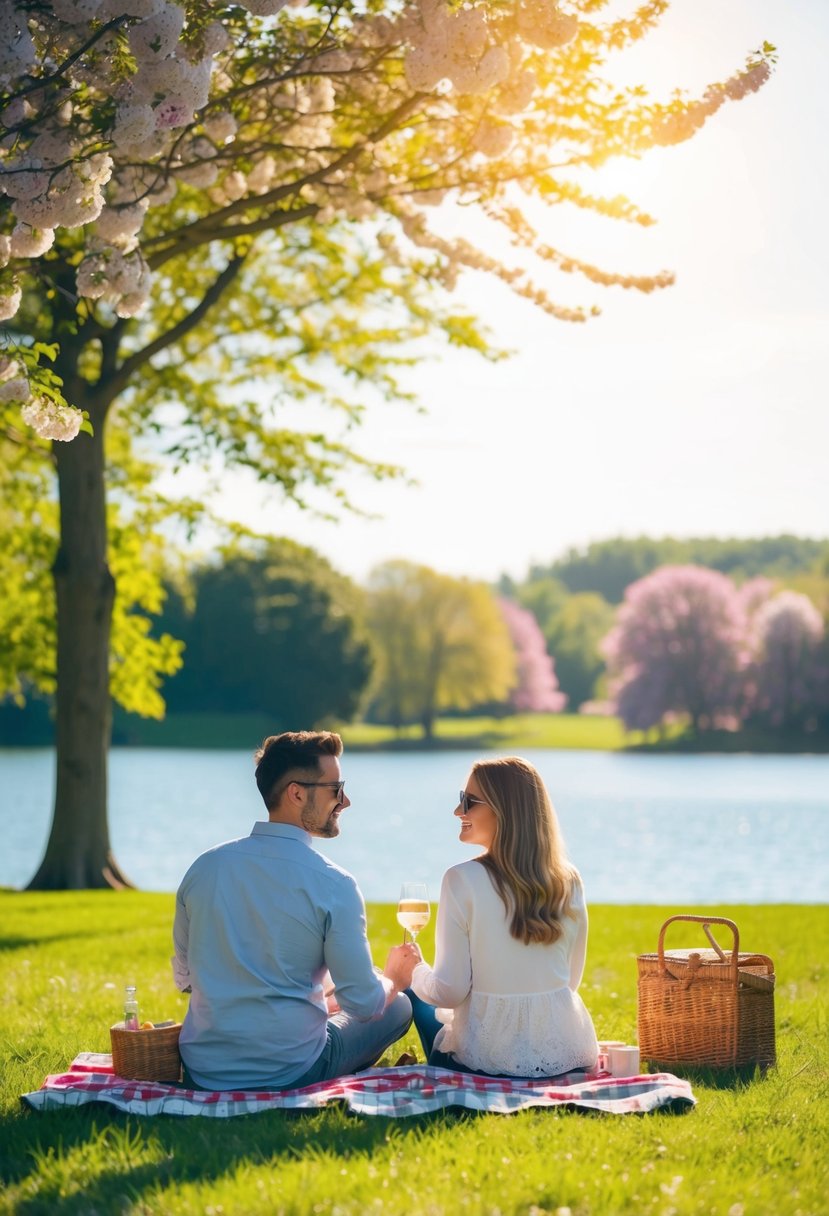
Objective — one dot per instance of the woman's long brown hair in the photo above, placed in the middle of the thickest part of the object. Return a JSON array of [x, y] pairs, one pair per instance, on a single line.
[[526, 858]]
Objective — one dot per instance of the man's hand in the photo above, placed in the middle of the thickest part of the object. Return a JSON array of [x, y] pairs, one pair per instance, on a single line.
[[401, 963], [331, 1002]]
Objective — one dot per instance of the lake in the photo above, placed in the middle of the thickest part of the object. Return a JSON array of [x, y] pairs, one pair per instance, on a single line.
[[680, 830]]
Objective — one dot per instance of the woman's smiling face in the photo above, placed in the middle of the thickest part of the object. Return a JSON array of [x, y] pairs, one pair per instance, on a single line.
[[478, 821]]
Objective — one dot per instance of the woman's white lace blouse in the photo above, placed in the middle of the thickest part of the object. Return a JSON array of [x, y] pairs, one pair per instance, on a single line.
[[507, 1007]]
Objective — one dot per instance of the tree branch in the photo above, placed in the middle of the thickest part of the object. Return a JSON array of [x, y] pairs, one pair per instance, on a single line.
[[207, 228], [42, 83], [213, 294], [269, 223]]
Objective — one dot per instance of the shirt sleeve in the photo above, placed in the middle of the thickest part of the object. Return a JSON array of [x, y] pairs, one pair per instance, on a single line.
[[449, 982], [359, 989], [181, 935], [579, 954]]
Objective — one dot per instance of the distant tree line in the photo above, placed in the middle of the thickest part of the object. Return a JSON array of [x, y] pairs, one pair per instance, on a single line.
[[608, 567], [277, 630], [576, 598]]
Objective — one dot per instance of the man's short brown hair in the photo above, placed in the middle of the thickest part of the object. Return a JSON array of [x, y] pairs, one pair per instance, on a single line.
[[292, 750]]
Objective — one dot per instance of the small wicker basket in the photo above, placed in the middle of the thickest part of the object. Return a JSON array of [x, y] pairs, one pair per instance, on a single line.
[[704, 1007], [146, 1055]]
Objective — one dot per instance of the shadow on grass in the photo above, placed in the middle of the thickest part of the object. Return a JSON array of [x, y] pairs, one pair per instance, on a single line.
[[11, 941], [50, 1152], [53, 1149], [715, 1078]]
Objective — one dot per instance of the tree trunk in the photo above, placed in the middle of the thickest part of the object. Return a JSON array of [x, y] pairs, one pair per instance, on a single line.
[[78, 853]]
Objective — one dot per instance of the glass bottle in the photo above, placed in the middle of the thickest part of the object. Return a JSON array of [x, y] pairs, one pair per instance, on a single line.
[[130, 1008]]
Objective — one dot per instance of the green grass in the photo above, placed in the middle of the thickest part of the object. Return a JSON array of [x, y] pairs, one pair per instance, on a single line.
[[514, 731], [751, 1147]]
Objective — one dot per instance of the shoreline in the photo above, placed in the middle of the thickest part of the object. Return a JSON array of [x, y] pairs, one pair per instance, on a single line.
[[543, 732]]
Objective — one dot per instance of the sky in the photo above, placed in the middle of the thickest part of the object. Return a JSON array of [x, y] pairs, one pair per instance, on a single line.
[[697, 410]]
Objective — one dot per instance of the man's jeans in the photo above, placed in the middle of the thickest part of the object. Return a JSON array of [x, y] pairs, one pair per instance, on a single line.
[[351, 1046], [354, 1045]]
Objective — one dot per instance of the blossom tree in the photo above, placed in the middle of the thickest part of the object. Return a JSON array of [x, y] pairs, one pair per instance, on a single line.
[[678, 648], [789, 677], [536, 690], [212, 213], [754, 594]]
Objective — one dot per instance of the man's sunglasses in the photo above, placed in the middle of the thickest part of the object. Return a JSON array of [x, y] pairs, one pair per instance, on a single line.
[[468, 800], [339, 786]]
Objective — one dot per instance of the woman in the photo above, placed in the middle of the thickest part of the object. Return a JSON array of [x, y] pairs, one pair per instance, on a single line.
[[511, 937]]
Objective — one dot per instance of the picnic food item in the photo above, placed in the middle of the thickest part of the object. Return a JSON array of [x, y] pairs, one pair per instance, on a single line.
[[130, 1008], [706, 1007], [150, 1055]]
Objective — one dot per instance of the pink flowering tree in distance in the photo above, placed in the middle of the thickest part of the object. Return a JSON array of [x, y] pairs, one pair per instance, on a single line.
[[678, 648], [211, 214], [789, 680], [536, 690]]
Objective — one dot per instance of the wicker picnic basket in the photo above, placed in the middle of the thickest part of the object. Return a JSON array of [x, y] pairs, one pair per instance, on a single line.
[[146, 1055], [706, 1007]]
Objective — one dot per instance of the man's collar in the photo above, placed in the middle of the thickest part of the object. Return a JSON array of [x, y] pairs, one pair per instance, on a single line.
[[271, 828]]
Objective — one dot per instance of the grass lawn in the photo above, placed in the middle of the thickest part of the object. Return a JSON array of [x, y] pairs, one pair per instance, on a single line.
[[514, 731], [755, 1147]]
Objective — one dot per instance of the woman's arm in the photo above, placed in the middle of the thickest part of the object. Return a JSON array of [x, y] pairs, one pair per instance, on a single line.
[[579, 954], [447, 984]]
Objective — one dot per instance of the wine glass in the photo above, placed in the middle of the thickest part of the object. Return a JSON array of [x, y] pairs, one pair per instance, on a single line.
[[413, 908]]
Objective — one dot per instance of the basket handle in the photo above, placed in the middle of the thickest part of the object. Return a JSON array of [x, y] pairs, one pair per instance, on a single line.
[[706, 922]]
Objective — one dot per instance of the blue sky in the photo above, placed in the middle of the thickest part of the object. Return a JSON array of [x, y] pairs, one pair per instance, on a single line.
[[699, 410]]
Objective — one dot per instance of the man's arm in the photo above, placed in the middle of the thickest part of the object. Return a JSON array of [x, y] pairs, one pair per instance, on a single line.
[[360, 990], [181, 936]]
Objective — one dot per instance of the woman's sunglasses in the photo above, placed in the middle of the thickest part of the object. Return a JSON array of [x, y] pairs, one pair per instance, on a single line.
[[467, 800]]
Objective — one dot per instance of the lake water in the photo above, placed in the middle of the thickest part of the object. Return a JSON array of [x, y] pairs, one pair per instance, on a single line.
[[680, 830]]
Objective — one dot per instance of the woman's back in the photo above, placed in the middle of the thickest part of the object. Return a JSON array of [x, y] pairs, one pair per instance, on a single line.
[[500, 963]]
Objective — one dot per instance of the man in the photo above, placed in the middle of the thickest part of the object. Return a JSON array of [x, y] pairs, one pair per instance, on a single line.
[[261, 922]]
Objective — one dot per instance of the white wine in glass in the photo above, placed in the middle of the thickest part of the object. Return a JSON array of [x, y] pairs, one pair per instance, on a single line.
[[413, 908]]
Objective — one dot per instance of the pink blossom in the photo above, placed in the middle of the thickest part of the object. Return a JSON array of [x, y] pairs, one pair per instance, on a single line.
[[789, 680], [678, 646], [52, 421], [173, 112], [537, 689]]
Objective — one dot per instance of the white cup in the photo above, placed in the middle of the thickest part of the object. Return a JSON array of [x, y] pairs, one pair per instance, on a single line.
[[624, 1061], [605, 1046]]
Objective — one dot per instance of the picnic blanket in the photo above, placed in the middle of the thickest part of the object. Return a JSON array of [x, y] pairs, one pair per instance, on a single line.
[[394, 1092]]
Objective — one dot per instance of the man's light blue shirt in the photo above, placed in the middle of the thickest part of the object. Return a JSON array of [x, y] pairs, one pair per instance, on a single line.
[[258, 923]]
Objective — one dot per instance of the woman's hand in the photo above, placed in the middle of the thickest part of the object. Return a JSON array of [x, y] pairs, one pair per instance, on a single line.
[[401, 963]]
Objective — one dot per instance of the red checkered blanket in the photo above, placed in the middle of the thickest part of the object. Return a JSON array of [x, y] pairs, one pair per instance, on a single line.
[[395, 1092]]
